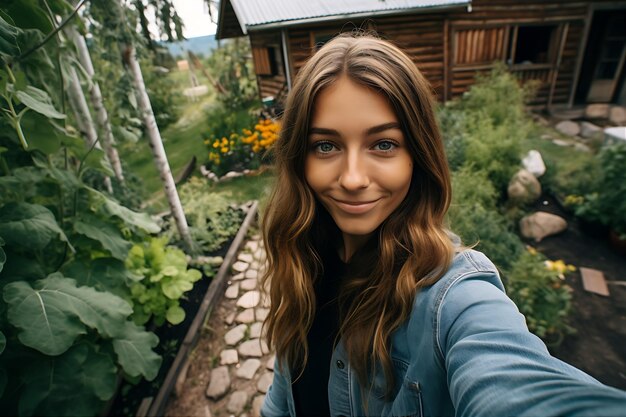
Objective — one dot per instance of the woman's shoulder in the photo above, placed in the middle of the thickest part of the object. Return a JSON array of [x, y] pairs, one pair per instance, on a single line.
[[467, 263]]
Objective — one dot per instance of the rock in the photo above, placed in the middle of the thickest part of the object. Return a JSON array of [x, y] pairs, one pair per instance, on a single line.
[[270, 362], [246, 316], [255, 265], [245, 257], [597, 111], [248, 284], [252, 245], [590, 131], [239, 276], [232, 292], [617, 115], [231, 174], [235, 335], [257, 403], [546, 137], [230, 319], [248, 368], [560, 142], [252, 274], [237, 402], [567, 127], [219, 384], [261, 313], [229, 357], [533, 162], [240, 266], [263, 384], [249, 299], [255, 330], [253, 348], [541, 224], [259, 254], [524, 187]]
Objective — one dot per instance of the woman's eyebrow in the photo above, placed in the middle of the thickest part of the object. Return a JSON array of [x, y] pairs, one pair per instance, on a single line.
[[372, 130]]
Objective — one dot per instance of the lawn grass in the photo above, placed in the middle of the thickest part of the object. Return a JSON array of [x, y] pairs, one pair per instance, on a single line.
[[568, 170]]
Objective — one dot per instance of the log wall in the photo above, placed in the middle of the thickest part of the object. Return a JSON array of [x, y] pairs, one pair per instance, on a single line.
[[452, 47]]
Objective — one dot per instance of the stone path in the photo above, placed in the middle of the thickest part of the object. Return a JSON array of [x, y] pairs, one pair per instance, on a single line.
[[239, 369]]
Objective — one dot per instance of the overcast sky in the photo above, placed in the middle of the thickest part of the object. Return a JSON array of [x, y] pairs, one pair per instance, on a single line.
[[196, 17]]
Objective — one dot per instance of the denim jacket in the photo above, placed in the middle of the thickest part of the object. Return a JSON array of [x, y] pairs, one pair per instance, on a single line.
[[466, 351]]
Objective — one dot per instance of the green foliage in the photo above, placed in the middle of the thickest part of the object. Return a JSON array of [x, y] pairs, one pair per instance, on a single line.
[[486, 127], [474, 217], [212, 221], [233, 69], [164, 280], [65, 314], [607, 204], [541, 295]]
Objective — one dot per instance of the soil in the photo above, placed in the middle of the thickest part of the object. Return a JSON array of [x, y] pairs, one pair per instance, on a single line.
[[599, 345]]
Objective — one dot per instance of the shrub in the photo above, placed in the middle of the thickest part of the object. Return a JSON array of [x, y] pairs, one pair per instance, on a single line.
[[212, 219], [608, 203], [538, 290], [475, 218], [486, 127]]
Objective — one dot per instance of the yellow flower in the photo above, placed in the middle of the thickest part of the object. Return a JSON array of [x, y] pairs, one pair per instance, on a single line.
[[224, 149], [531, 250], [206, 141]]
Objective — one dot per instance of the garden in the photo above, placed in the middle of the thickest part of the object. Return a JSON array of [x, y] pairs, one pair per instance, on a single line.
[[122, 203]]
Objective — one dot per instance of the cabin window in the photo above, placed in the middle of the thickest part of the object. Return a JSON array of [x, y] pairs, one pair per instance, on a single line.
[[265, 60], [532, 45]]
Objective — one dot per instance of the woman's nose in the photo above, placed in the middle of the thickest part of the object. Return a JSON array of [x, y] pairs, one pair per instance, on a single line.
[[353, 174]]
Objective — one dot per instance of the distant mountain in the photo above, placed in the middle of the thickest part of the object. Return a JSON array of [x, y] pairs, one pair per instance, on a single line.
[[199, 45]]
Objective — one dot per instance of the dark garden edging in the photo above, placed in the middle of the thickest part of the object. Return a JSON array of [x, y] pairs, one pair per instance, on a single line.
[[155, 407]]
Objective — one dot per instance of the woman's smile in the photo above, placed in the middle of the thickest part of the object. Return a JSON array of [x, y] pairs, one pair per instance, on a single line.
[[355, 207]]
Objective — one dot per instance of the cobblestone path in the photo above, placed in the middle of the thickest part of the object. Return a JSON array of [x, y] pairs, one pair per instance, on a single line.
[[230, 369]]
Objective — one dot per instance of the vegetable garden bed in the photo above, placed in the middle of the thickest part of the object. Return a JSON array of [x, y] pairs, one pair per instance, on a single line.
[[148, 398]]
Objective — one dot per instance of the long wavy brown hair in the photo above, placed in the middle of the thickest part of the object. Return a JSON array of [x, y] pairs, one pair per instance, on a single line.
[[414, 249]]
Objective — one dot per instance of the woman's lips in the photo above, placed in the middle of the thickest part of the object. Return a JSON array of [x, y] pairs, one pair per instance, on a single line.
[[355, 207]]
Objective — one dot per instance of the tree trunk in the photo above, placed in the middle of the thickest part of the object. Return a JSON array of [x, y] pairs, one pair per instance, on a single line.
[[156, 144], [108, 142]]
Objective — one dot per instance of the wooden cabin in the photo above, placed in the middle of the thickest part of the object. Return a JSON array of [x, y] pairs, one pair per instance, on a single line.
[[576, 49]]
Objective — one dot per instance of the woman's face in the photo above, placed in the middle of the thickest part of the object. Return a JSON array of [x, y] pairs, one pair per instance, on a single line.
[[358, 163]]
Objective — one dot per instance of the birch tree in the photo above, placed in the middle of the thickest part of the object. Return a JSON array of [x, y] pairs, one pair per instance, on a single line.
[[154, 136], [108, 141]]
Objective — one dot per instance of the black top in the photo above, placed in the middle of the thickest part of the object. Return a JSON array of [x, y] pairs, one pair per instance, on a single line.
[[310, 391]]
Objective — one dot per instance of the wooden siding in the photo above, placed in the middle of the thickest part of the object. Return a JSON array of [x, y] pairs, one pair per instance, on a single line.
[[270, 85], [451, 48], [556, 77]]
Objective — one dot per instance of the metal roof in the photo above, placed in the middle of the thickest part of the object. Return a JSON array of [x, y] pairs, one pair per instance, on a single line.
[[255, 13]]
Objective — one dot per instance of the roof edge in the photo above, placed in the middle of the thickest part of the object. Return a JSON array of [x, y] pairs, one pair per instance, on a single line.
[[303, 21]]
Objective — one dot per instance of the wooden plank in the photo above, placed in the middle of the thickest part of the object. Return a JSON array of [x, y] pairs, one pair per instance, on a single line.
[[593, 281]]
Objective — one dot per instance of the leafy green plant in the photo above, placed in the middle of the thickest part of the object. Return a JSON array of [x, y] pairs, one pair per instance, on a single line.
[[485, 128], [474, 217], [607, 204], [211, 218], [163, 279], [541, 295], [66, 328]]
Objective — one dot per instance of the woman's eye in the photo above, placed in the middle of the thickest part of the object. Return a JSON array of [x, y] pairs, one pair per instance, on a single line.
[[324, 147], [385, 146]]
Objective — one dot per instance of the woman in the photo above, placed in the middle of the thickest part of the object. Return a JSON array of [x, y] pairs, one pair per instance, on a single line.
[[375, 308]]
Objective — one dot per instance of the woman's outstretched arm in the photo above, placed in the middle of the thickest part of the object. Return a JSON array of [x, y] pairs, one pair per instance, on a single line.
[[496, 367]]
